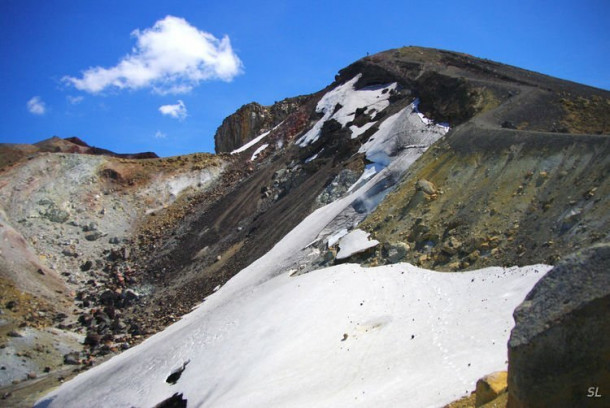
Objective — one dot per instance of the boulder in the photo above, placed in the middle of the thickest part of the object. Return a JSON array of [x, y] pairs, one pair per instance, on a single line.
[[92, 339], [490, 387], [94, 236], [426, 186], [451, 246], [57, 215], [72, 358], [559, 349], [396, 251]]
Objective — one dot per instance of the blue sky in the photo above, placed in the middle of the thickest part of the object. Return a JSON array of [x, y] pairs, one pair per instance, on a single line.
[[259, 51]]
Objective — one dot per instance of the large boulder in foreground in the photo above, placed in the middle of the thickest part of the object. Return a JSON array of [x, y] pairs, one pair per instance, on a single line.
[[559, 350]]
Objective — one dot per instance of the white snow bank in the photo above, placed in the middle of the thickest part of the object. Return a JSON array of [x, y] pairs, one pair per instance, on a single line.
[[354, 242], [369, 171], [259, 151], [372, 98], [357, 131], [268, 339], [251, 143], [407, 129], [334, 238], [338, 337]]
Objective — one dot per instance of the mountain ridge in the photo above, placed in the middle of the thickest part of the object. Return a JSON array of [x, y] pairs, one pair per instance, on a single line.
[[430, 72], [369, 146]]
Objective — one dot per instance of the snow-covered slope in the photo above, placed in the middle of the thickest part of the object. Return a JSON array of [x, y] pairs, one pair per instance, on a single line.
[[343, 336]]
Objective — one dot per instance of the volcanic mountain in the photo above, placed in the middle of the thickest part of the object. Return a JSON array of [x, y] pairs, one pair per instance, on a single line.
[[313, 246]]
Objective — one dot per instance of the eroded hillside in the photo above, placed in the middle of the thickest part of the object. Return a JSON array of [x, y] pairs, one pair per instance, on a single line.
[[499, 197], [68, 222]]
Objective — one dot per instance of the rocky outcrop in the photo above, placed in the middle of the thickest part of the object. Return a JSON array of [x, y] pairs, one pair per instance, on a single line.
[[559, 350], [251, 120], [490, 387]]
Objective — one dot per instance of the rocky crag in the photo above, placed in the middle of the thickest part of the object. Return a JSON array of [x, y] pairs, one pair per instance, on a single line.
[[251, 120], [520, 178], [559, 350]]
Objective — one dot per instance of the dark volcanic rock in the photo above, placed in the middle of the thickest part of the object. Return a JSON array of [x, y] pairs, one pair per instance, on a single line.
[[72, 358], [92, 339], [175, 401], [559, 350], [94, 236]]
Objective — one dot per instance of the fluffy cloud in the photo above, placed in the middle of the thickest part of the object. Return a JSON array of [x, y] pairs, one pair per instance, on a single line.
[[36, 106], [160, 135], [177, 111], [171, 57]]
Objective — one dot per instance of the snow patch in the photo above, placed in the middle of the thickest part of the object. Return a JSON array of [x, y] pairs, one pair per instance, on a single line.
[[357, 131], [315, 156], [251, 143], [373, 98], [259, 151], [407, 129], [333, 239], [355, 242], [424, 119], [369, 171]]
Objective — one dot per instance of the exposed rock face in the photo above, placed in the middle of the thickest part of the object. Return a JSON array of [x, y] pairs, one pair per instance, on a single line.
[[339, 186], [251, 120], [559, 350]]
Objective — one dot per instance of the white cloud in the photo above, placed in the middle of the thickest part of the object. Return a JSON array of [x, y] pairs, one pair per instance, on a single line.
[[75, 100], [160, 135], [171, 57], [177, 111], [36, 106]]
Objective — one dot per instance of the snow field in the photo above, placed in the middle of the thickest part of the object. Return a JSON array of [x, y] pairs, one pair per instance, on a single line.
[[343, 336]]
